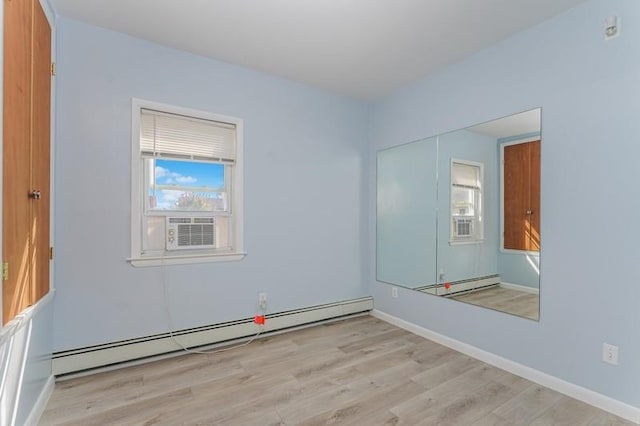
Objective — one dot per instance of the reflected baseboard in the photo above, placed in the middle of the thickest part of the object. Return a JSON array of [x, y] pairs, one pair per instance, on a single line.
[[519, 287], [461, 286]]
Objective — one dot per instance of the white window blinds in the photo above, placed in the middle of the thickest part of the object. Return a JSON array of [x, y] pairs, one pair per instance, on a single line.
[[177, 136], [465, 175]]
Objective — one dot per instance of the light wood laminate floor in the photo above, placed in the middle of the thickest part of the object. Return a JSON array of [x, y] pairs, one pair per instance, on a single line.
[[504, 299], [360, 371]]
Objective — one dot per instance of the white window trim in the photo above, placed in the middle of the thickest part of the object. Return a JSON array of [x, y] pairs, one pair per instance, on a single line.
[[480, 238], [197, 256], [502, 146]]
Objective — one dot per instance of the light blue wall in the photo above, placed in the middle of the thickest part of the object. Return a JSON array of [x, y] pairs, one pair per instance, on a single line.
[[407, 214], [305, 219], [589, 91], [519, 269]]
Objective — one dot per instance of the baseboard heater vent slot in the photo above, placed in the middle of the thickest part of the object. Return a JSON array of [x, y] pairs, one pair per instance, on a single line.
[[93, 357]]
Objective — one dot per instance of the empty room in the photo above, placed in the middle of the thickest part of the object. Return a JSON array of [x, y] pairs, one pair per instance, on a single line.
[[359, 212]]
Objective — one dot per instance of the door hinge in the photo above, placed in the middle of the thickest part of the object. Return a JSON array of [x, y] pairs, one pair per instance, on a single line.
[[5, 271], [53, 68], [50, 253]]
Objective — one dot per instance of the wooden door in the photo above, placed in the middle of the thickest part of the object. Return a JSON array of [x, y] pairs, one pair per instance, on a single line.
[[16, 166], [40, 155], [522, 196], [26, 156], [534, 196], [515, 196]]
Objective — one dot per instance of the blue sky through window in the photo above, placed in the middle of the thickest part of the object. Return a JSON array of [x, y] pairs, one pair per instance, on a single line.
[[202, 177]]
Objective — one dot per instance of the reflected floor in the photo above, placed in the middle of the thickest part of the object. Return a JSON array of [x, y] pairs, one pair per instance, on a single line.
[[502, 299]]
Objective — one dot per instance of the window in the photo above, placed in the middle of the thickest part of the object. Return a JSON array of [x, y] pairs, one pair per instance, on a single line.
[[466, 202], [186, 186]]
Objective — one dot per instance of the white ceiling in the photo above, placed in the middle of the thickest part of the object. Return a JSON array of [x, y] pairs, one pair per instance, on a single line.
[[360, 48], [512, 125]]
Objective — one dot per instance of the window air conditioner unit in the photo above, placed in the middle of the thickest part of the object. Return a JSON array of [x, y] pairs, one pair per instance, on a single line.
[[463, 227], [190, 233]]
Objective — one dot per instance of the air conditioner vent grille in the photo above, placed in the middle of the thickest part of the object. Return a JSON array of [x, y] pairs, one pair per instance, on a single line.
[[179, 220], [202, 220], [191, 233], [463, 227]]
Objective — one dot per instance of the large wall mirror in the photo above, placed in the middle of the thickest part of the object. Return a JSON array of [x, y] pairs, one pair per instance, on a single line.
[[458, 215]]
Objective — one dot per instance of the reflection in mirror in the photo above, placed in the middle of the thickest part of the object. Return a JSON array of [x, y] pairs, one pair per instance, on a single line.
[[406, 214], [474, 195]]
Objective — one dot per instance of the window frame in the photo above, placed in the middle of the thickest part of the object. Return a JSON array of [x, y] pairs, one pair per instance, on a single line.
[[478, 233], [137, 207]]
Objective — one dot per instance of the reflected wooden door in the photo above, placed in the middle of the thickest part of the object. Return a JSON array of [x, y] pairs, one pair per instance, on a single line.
[[534, 197], [522, 196]]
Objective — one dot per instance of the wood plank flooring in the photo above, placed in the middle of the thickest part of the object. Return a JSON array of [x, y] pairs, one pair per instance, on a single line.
[[504, 300], [360, 371]]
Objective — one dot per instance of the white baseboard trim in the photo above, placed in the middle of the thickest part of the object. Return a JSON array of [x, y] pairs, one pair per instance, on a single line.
[[590, 397], [519, 287], [41, 403]]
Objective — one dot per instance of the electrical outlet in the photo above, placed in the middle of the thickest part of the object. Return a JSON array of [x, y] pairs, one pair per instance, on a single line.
[[394, 292], [262, 301], [611, 27], [610, 354]]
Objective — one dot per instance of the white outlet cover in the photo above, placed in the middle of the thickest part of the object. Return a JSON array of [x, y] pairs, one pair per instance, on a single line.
[[614, 22], [262, 299], [394, 292], [610, 354]]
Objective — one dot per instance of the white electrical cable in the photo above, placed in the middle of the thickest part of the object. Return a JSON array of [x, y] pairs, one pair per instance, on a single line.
[[194, 351]]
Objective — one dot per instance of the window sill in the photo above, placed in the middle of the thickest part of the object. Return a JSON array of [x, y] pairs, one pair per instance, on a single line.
[[463, 243], [187, 259]]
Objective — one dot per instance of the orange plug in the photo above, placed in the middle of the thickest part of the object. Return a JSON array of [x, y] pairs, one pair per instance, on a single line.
[[447, 285], [259, 319]]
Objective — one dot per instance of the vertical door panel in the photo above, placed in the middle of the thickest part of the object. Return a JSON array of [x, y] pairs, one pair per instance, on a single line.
[[16, 292], [40, 146], [522, 196], [516, 176], [534, 195]]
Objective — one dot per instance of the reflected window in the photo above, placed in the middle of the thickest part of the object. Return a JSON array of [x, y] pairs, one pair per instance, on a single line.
[[466, 202]]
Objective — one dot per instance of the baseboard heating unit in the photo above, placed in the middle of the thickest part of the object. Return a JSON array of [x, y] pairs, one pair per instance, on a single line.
[[110, 354], [461, 286]]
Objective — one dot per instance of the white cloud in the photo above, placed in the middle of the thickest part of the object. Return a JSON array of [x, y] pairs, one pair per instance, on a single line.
[[162, 172], [173, 177], [186, 179]]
